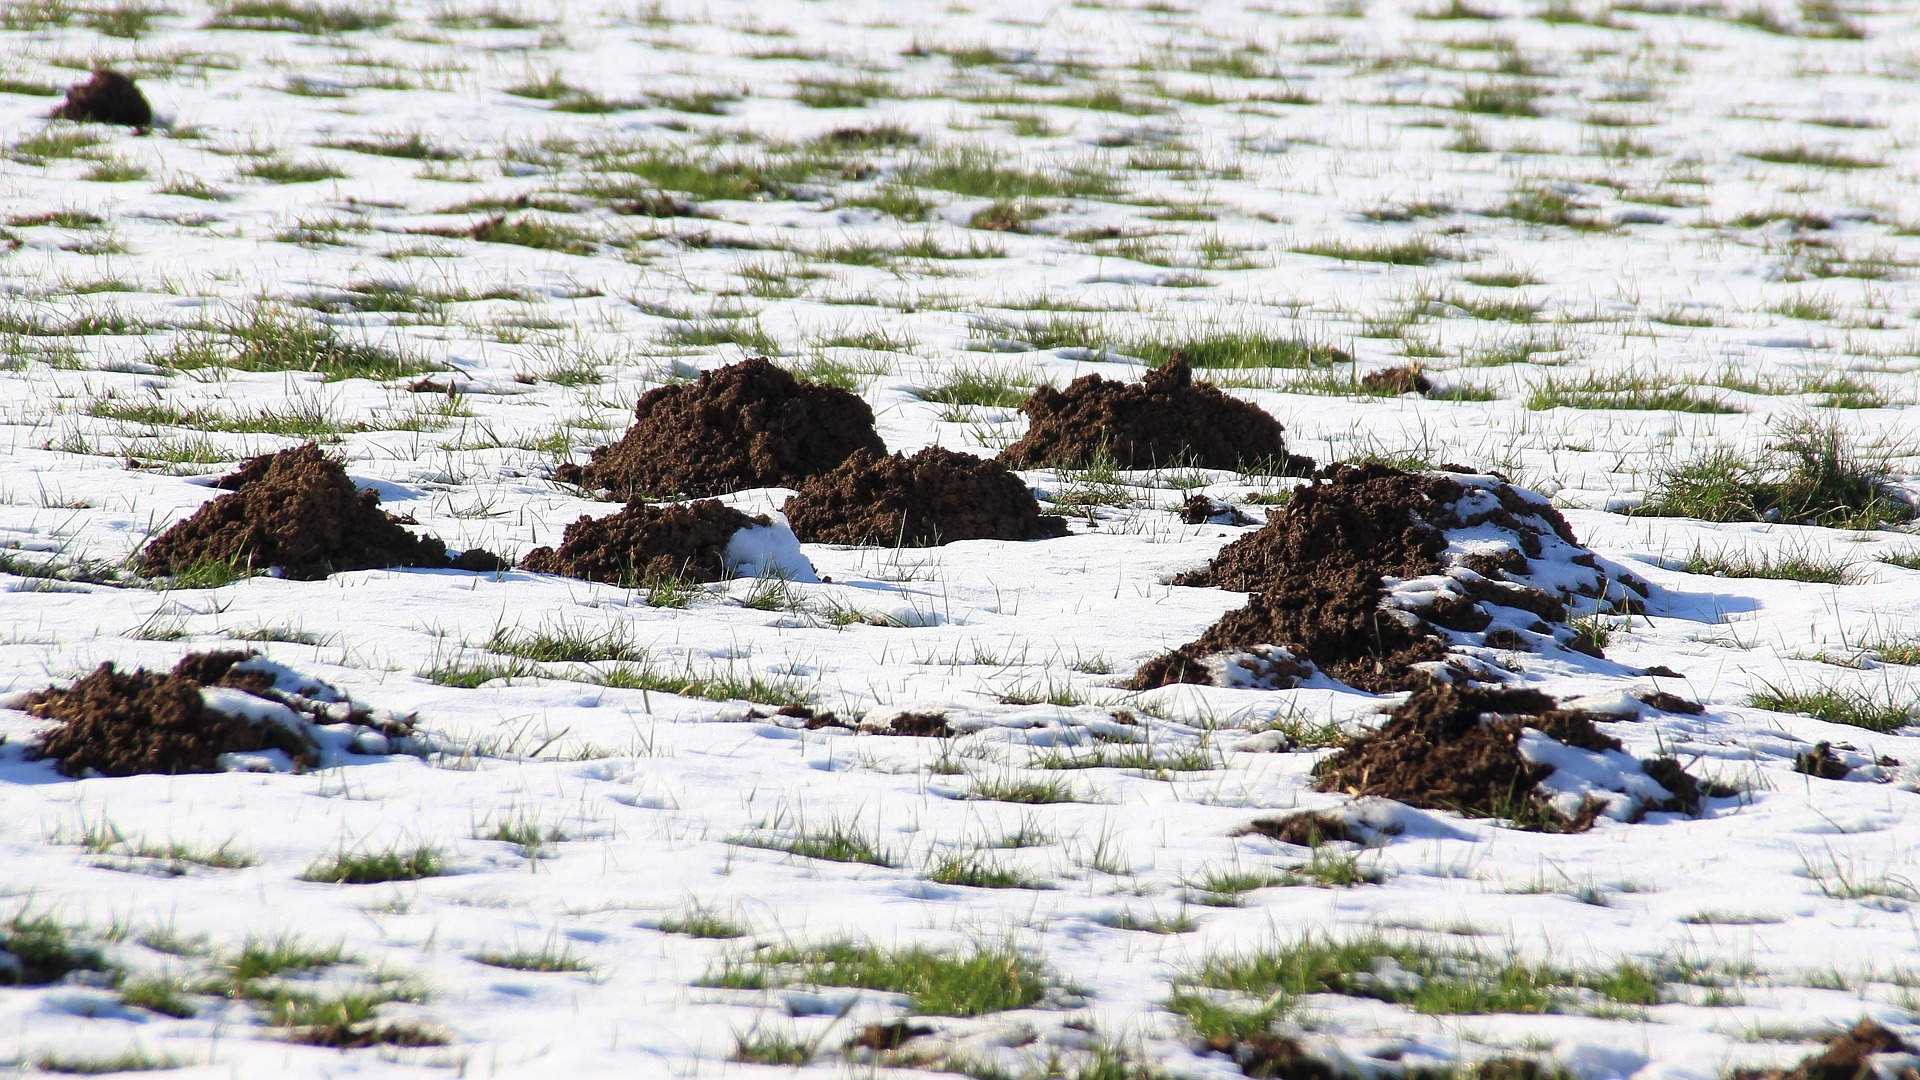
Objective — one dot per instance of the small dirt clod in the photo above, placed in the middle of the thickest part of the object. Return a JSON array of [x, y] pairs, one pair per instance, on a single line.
[[935, 497], [107, 98], [1844, 1058], [643, 544], [299, 511], [748, 425], [1165, 419]]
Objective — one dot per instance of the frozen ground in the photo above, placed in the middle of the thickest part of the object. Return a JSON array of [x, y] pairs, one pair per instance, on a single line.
[[1575, 217]]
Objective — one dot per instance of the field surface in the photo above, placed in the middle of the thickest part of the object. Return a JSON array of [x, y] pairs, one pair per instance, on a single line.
[[1652, 260]]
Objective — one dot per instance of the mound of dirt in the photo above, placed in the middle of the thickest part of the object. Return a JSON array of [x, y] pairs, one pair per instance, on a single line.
[[934, 497], [1398, 380], [191, 719], [1512, 754], [1847, 1056], [748, 425], [298, 511], [1385, 579], [1165, 419], [107, 98], [643, 543]]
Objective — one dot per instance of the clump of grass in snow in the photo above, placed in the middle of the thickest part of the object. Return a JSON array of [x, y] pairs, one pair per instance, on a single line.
[[1788, 566], [1813, 473], [1414, 251], [1621, 390], [41, 949], [961, 982], [297, 17], [1836, 705], [840, 840], [550, 957], [373, 867], [1448, 980], [701, 922]]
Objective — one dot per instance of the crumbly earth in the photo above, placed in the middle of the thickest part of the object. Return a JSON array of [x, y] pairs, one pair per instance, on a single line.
[[109, 97], [299, 511], [1847, 1056], [935, 497], [747, 425], [1165, 419], [1458, 749], [644, 543], [1358, 576], [125, 723]]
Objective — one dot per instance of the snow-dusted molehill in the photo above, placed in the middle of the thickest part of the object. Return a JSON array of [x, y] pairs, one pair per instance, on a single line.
[[1513, 754], [1387, 579], [213, 712]]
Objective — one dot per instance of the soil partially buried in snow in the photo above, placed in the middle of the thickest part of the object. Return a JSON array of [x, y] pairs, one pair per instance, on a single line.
[[467, 210]]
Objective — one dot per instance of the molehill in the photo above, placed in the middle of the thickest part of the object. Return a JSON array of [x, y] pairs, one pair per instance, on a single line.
[[298, 510], [118, 723], [1507, 753], [643, 543], [1387, 580], [1165, 419], [747, 425], [935, 497], [108, 97]]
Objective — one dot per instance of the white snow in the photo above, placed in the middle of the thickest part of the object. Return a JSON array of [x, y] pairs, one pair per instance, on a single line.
[[1249, 135]]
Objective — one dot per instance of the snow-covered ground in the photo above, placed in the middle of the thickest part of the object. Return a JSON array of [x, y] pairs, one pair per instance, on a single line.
[[1585, 206]]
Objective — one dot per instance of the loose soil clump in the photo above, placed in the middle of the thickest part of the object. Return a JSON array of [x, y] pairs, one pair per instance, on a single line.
[[1165, 419], [1387, 580], [117, 723], [748, 425], [1398, 380], [107, 98], [935, 497], [1846, 1057], [643, 544], [1493, 753], [297, 510]]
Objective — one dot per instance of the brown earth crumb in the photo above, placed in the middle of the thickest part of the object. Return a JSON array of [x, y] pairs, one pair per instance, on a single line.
[[1846, 1057], [1163, 420], [1822, 762], [922, 725], [117, 723], [1398, 380], [888, 1036], [1267, 1056], [1448, 748], [107, 98], [299, 511], [643, 543], [1672, 703], [1309, 828], [1319, 574], [935, 497], [748, 425]]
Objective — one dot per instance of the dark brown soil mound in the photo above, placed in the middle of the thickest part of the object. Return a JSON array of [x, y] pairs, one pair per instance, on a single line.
[[934, 497], [643, 543], [748, 425], [1357, 577], [107, 98], [1398, 380], [298, 510], [1166, 419], [1459, 749], [1845, 1057], [118, 723]]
